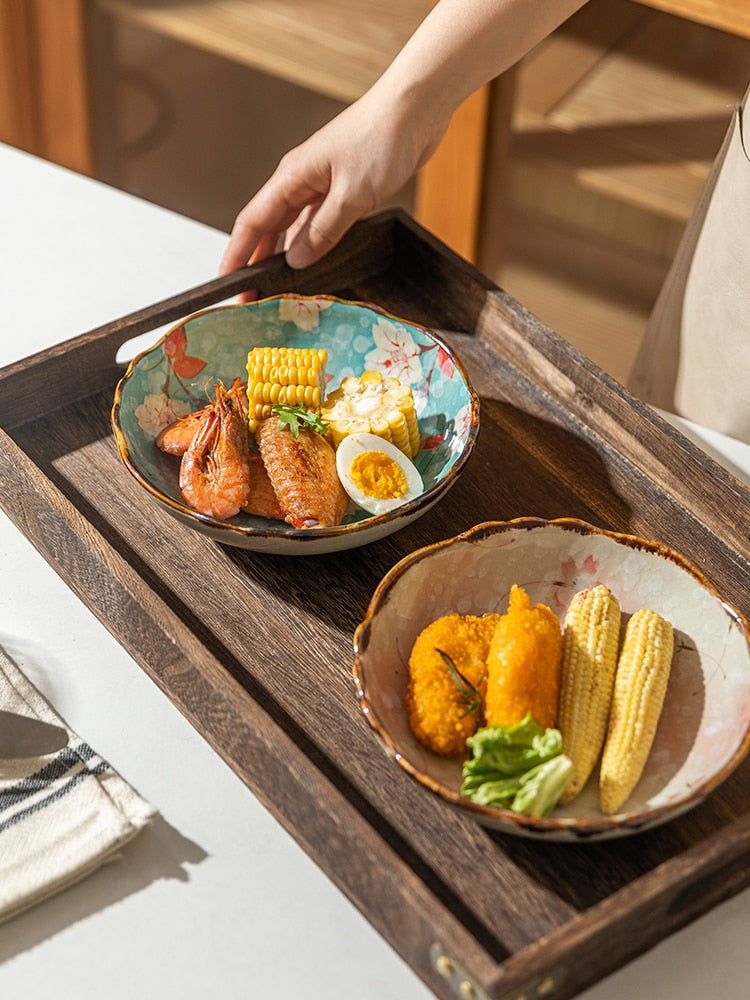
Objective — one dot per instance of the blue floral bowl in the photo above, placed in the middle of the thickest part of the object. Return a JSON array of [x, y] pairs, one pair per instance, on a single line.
[[172, 378]]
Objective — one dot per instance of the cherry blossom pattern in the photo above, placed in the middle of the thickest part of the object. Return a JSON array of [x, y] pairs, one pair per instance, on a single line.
[[158, 410], [304, 313], [574, 578], [396, 353]]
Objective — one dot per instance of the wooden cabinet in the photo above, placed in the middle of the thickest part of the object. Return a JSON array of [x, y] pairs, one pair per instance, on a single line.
[[727, 15], [44, 106], [617, 119]]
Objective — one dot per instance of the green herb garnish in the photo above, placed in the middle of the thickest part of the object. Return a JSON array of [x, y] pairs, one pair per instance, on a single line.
[[293, 416], [470, 694]]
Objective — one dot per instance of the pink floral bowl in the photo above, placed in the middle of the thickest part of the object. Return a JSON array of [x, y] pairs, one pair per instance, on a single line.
[[704, 729], [173, 377]]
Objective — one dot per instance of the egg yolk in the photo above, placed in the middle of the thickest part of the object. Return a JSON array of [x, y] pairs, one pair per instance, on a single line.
[[377, 475]]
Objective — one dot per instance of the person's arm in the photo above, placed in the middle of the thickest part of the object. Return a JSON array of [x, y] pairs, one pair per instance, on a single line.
[[369, 151]]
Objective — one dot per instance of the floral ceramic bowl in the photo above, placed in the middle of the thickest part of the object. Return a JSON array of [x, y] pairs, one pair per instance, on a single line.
[[704, 730], [171, 379]]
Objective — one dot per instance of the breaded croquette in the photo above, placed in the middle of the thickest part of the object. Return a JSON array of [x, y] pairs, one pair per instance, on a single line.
[[523, 664], [447, 670]]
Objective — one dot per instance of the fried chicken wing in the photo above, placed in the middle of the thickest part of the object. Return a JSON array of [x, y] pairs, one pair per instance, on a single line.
[[303, 474], [262, 501]]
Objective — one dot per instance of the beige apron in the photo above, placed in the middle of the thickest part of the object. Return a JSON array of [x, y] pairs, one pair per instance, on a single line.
[[695, 356]]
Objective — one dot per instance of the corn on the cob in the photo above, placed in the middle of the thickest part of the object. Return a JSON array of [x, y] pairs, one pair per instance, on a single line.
[[372, 404], [523, 664], [447, 678], [294, 376], [591, 636], [640, 686]]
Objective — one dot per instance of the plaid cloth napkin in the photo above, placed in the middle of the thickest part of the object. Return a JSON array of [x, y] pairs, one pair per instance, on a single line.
[[62, 815]]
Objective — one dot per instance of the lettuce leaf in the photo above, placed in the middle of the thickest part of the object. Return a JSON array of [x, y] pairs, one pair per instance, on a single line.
[[519, 767], [503, 751], [542, 786]]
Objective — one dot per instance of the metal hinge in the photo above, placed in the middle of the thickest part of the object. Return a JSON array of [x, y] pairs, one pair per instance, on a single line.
[[458, 980], [543, 987]]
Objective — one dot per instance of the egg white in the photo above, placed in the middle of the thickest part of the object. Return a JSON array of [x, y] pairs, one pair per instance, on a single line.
[[353, 445]]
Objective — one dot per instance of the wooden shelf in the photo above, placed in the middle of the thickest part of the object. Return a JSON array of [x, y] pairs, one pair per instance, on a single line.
[[638, 121], [331, 48], [617, 119], [727, 15], [338, 50]]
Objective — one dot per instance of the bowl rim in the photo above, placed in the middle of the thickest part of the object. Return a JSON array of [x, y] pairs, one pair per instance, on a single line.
[[425, 500], [578, 827]]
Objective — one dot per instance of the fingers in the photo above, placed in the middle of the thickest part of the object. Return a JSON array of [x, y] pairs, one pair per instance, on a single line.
[[315, 194], [304, 245], [267, 245], [320, 228], [262, 222], [311, 231], [253, 238]]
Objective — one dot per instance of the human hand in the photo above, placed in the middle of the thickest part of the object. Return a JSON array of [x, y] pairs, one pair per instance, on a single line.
[[341, 173], [365, 154]]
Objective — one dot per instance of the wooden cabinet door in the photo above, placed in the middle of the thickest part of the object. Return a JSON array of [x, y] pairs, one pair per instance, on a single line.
[[44, 107]]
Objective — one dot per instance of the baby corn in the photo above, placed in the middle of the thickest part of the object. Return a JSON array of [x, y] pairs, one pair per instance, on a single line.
[[372, 404], [640, 686], [291, 376], [447, 677], [523, 664], [591, 636]]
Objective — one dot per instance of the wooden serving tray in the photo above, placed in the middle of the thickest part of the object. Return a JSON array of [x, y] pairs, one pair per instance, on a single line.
[[256, 650]]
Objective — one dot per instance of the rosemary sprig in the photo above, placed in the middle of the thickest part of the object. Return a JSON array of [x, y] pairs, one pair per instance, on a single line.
[[293, 416], [470, 694]]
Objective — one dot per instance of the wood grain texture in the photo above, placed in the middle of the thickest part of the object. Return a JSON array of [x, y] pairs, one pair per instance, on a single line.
[[60, 61], [332, 48], [728, 15], [449, 187], [256, 650]]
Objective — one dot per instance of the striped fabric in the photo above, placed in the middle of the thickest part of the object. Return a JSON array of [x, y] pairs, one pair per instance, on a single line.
[[62, 815]]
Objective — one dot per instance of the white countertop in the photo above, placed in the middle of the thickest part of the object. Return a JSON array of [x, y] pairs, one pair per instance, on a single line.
[[214, 898]]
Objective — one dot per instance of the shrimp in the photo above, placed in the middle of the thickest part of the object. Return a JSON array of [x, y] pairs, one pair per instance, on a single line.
[[175, 439], [215, 469]]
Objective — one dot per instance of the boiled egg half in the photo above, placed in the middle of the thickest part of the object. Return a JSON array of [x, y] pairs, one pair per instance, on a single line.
[[375, 473]]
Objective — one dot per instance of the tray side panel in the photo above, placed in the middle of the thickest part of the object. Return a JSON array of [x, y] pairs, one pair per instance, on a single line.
[[607, 413]]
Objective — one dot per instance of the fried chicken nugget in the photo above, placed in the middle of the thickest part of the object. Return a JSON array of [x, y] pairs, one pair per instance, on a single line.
[[445, 705], [524, 664]]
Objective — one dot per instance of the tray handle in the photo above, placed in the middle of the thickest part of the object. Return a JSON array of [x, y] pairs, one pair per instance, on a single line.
[[88, 363]]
